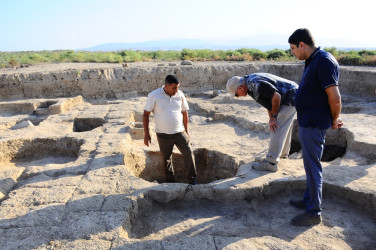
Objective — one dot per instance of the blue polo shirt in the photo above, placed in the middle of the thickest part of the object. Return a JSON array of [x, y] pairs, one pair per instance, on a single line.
[[311, 101]]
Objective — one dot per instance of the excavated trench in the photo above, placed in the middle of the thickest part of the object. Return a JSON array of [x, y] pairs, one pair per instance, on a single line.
[[211, 165], [87, 124], [222, 216], [257, 215], [25, 107], [335, 146], [29, 113], [32, 149], [18, 155], [206, 209]]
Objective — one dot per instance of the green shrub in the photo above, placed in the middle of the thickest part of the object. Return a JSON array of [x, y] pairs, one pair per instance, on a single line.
[[37, 58], [367, 52], [187, 54], [332, 50], [276, 54], [130, 56], [205, 54], [371, 61], [258, 54], [13, 62], [15, 59], [77, 57], [350, 59]]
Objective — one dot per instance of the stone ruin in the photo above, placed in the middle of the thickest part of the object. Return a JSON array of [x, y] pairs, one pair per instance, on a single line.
[[74, 172]]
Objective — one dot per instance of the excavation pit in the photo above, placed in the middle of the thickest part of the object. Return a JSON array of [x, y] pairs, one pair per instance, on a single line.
[[24, 107], [255, 218], [335, 144], [87, 124], [210, 166], [24, 150], [46, 104], [136, 130]]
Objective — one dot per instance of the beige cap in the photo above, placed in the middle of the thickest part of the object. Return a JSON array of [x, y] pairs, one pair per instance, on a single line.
[[232, 85]]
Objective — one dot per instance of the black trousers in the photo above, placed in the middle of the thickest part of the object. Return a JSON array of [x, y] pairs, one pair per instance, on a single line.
[[182, 141]]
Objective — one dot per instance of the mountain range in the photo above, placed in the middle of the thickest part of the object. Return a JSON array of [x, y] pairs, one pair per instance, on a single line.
[[264, 43]]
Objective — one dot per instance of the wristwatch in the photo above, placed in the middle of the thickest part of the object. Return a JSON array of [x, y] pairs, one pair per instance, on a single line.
[[275, 115]]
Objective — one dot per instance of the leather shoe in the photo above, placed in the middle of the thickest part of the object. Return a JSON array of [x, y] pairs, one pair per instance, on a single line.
[[306, 220]]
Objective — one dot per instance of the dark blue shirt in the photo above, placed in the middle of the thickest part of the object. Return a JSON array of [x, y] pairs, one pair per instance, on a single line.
[[262, 86], [311, 101]]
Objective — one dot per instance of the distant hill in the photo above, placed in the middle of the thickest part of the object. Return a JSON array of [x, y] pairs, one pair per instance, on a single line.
[[185, 44], [264, 43]]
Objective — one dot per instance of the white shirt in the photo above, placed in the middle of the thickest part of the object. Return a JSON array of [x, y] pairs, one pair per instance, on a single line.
[[167, 110]]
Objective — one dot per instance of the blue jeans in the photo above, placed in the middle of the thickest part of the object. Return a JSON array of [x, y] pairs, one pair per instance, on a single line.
[[312, 141]]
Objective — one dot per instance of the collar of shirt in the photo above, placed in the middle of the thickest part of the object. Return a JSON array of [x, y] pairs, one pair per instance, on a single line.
[[310, 58], [165, 94]]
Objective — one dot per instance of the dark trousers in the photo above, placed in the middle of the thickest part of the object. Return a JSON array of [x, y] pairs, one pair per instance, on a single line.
[[182, 141], [312, 141]]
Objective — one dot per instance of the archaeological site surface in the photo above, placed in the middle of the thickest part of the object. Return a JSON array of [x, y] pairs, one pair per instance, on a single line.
[[75, 174]]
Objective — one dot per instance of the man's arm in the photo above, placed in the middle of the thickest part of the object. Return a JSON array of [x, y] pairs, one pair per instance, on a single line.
[[145, 121], [276, 103], [334, 99], [185, 121]]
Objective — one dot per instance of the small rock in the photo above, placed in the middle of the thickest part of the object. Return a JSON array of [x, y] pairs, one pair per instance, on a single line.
[[23, 124], [160, 64], [186, 62], [172, 64], [125, 65], [296, 155]]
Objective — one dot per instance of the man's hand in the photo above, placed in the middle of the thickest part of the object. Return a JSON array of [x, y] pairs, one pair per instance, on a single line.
[[145, 122], [276, 103], [273, 126], [337, 123], [335, 104], [147, 139]]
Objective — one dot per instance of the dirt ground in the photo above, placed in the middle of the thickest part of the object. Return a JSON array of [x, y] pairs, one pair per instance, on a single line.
[[81, 178]]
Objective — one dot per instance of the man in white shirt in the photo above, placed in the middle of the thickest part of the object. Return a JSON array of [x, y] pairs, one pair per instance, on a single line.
[[170, 109]]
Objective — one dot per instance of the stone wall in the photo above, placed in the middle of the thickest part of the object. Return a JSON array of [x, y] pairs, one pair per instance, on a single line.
[[118, 82]]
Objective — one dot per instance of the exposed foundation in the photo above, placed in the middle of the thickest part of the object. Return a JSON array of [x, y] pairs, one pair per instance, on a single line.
[[80, 175], [210, 165]]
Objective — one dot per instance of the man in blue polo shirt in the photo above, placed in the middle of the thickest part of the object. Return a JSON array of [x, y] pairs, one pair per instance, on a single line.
[[318, 105]]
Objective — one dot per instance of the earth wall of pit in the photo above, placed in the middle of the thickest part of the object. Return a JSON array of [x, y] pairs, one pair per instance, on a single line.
[[115, 82]]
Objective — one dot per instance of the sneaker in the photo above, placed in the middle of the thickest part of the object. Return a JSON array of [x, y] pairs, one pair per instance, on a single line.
[[265, 166], [306, 220], [259, 159], [298, 204]]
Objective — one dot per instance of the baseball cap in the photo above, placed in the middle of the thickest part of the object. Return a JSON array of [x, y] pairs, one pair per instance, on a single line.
[[232, 85]]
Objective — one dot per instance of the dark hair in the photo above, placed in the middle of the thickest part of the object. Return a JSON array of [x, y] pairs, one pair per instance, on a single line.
[[302, 35], [170, 79]]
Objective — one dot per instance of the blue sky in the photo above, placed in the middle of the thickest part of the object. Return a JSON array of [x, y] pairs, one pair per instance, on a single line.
[[75, 24]]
